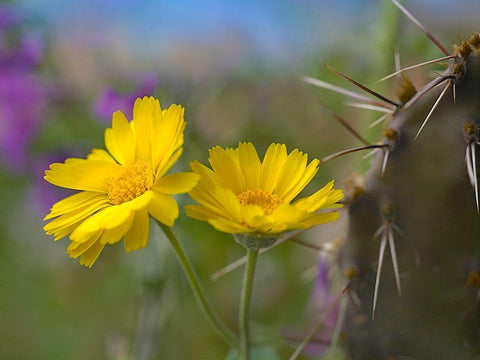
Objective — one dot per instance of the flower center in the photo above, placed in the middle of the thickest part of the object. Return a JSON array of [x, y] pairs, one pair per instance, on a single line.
[[133, 181], [268, 202]]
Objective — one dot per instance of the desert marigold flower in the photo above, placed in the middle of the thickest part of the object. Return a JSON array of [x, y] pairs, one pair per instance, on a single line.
[[244, 195], [122, 187]]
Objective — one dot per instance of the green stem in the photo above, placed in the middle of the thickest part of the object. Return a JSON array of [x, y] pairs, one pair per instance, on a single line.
[[192, 277], [245, 303]]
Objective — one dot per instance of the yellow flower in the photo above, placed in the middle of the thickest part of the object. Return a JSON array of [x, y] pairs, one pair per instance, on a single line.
[[244, 195], [122, 187]]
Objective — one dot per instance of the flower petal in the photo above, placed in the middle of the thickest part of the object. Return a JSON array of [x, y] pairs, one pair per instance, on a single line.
[[146, 113], [324, 197], [307, 176], [176, 183], [111, 218], [229, 203], [76, 216], [91, 255], [163, 208], [201, 212], [169, 138], [73, 202], [75, 249], [249, 164], [225, 164], [100, 154], [164, 167], [123, 219], [208, 181], [272, 164], [137, 236], [80, 174], [228, 226], [291, 172], [120, 140], [317, 219]]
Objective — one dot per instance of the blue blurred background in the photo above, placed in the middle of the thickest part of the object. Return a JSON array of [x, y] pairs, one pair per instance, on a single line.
[[65, 66]]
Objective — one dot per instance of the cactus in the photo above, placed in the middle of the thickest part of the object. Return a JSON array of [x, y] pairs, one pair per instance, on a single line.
[[411, 250]]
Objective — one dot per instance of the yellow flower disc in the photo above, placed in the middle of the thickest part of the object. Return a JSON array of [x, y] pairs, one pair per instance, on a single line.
[[133, 181], [268, 202]]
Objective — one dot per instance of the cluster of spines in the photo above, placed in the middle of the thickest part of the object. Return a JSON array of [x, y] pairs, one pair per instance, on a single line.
[[407, 96]]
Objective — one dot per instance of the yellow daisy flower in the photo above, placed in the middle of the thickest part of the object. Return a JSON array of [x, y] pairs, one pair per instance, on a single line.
[[122, 187], [244, 195]]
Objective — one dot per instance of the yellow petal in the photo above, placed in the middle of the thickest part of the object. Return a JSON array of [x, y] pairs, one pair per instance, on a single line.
[[176, 183], [201, 212], [225, 164], [123, 220], [73, 202], [228, 226], [79, 174], [272, 164], [91, 255], [283, 218], [306, 177], [291, 172], [75, 216], [163, 208], [288, 214], [76, 249], [322, 198], [137, 236], [64, 231], [254, 217], [333, 197], [169, 137], [205, 198], [146, 112], [139, 203], [317, 219], [163, 168], [120, 140], [100, 154], [249, 164], [106, 219], [208, 179], [230, 203]]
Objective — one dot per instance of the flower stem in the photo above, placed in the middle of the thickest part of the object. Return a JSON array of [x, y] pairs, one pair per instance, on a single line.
[[245, 303], [192, 277]]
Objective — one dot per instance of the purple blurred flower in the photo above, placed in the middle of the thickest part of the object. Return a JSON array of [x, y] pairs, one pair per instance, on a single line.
[[110, 100], [22, 97], [321, 301], [22, 101], [322, 294], [8, 17], [26, 55]]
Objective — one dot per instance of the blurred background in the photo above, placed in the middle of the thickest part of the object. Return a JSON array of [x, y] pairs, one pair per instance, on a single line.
[[66, 66]]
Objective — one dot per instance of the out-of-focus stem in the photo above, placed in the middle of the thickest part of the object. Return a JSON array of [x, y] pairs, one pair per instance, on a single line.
[[245, 303], [192, 277]]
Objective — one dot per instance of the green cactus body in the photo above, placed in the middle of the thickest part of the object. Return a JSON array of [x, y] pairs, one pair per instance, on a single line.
[[425, 200]]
